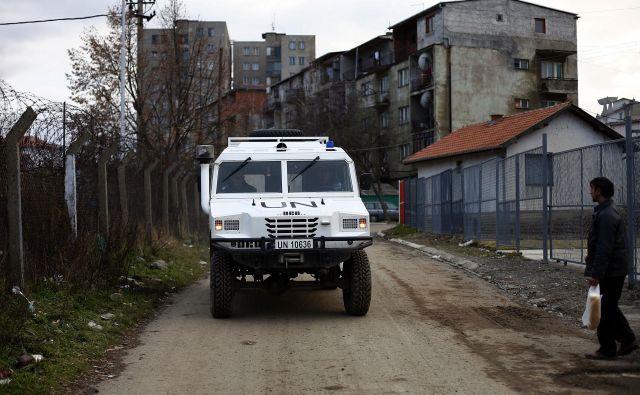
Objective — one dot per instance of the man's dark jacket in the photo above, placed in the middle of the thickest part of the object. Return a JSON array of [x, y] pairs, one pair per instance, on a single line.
[[607, 256]]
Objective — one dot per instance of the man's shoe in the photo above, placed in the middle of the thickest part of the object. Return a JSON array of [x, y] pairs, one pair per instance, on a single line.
[[626, 349], [598, 355]]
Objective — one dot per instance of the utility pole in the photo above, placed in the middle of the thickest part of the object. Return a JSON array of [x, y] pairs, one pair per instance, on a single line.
[[140, 14]]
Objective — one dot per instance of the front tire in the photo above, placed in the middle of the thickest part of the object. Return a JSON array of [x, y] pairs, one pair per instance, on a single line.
[[356, 290], [221, 283]]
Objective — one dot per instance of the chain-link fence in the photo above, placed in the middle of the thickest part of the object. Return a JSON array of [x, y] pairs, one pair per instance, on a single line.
[[82, 210], [502, 201]]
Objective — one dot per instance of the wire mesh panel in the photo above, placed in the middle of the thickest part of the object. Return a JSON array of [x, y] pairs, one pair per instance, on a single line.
[[420, 204], [428, 208], [530, 176], [506, 203], [436, 196], [488, 199], [636, 206], [410, 202], [471, 198], [457, 201]]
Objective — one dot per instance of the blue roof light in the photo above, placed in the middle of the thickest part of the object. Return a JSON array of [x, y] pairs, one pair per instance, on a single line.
[[330, 144]]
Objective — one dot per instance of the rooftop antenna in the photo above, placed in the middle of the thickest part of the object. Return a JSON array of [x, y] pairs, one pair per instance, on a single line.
[[273, 23]]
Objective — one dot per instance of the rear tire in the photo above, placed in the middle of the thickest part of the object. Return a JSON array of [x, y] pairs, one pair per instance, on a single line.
[[356, 291], [221, 283]]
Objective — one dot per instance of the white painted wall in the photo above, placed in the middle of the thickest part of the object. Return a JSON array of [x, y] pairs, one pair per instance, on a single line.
[[433, 167], [564, 133]]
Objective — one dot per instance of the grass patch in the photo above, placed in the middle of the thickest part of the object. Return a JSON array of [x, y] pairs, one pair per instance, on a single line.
[[401, 230], [59, 328]]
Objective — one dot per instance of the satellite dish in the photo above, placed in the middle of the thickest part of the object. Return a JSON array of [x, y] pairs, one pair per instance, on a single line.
[[424, 62], [425, 99]]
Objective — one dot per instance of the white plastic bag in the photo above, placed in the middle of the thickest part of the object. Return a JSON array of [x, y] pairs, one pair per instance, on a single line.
[[591, 315]]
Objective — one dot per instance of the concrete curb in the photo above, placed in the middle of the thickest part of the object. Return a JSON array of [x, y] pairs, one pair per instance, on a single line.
[[439, 254]]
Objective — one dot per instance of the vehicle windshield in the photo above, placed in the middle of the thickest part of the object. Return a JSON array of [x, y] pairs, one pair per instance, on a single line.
[[322, 176], [257, 177]]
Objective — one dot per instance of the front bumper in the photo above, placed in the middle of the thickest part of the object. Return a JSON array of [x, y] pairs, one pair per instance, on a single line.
[[265, 245]]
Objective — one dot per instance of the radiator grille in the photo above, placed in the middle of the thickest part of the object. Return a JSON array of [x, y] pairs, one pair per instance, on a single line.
[[291, 227]]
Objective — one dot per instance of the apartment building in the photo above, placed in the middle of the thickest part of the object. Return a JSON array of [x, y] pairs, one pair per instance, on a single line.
[[259, 64], [613, 114], [470, 59], [185, 69], [448, 66]]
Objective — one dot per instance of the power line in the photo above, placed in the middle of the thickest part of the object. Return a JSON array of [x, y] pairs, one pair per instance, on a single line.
[[53, 20]]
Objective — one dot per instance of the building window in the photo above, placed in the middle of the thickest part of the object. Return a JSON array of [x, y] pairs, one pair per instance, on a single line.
[[154, 54], [366, 89], [255, 66], [245, 80], [255, 81], [549, 103], [384, 84], [499, 17], [404, 115], [541, 25], [522, 103], [155, 39], [405, 150], [521, 64], [256, 51], [211, 48], [246, 51], [246, 66], [300, 44], [366, 123], [403, 77], [428, 24], [292, 60], [301, 60], [200, 32], [211, 32], [383, 119], [551, 70], [292, 45], [184, 39]]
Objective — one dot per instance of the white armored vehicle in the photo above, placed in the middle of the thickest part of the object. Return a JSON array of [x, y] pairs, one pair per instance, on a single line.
[[281, 205]]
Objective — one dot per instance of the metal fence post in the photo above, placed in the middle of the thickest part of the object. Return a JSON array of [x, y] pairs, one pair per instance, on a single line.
[[122, 188], [497, 201], [148, 201], [479, 230], [70, 184], [14, 198], [103, 193], [517, 197], [630, 150], [545, 206], [165, 195]]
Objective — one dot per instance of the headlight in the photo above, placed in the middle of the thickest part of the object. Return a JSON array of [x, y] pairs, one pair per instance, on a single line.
[[351, 224], [232, 225]]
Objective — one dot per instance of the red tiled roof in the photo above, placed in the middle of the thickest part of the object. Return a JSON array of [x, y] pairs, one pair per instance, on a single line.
[[485, 135]]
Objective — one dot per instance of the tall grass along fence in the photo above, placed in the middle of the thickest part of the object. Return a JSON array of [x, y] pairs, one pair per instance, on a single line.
[[519, 203], [73, 203]]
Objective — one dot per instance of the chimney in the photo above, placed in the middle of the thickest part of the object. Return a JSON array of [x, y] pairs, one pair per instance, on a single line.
[[496, 117]]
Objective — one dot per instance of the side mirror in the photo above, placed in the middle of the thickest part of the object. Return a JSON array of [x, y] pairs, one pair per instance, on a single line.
[[204, 154], [365, 180]]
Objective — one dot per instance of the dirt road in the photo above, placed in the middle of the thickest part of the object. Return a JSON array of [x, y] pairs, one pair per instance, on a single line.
[[431, 329]]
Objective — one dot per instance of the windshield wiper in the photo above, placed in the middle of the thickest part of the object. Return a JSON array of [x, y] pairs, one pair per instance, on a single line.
[[305, 169], [237, 169]]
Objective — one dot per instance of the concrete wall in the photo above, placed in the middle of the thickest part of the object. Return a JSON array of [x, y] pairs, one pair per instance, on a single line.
[[309, 53]]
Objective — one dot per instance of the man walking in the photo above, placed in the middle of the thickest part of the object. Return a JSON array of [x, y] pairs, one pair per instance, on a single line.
[[607, 265]]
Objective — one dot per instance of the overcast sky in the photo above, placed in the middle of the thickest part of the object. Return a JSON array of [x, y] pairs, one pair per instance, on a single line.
[[34, 58]]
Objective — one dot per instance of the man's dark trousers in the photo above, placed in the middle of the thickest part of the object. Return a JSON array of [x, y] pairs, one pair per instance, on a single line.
[[613, 325]]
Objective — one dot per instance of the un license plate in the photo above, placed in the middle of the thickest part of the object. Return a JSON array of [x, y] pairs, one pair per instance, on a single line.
[[294, 244]]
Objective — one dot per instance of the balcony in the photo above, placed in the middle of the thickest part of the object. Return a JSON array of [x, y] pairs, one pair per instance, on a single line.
[[272, 104], [421, 126], [422, 82], [379, 100], [422, 139], [375, 65], [558, 85], [294, 95]]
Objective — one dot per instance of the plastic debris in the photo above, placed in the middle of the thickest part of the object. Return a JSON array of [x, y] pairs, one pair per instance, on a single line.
[[16, 291], [27, 359], [107, 316], [159, 265], [203, 263], [465, 244], [94, 326], [5, 381]]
